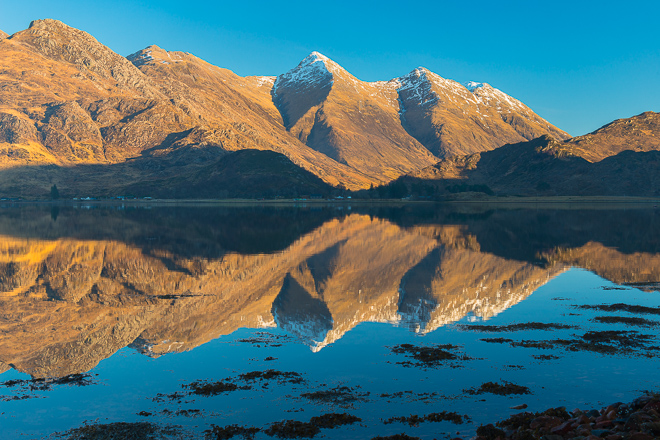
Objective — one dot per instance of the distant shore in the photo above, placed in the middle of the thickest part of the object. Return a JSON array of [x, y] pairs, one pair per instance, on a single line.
[[552, 202]]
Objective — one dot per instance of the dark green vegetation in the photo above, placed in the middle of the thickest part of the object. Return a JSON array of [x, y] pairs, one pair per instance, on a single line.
[[333, 420], [541, 167], [266, 339], [280, 376], [638, 419], [292, 429], [211, 388], [502, 389], [610, 342], [496, 340], [622, 339], [396, 437], [490, 432], [545, 357]]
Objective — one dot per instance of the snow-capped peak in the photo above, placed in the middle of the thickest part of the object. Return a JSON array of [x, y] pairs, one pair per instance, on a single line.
[[419, 83], [494, 97], [413, 79], [472, 85], [317, 60], [314, 69], [318, 56]]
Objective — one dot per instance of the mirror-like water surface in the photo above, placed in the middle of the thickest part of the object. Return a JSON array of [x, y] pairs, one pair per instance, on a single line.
[[194, 317]]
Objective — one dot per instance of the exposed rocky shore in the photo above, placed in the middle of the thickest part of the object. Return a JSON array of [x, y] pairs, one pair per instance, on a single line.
[[637, 420]]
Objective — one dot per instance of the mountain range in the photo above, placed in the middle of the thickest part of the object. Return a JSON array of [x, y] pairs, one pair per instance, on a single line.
[[76, 114]]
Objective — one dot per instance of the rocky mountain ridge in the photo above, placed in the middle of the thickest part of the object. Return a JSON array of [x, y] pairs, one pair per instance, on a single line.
[[76, 114]]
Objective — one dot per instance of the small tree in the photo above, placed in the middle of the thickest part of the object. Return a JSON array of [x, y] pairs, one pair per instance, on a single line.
[[54, 193]]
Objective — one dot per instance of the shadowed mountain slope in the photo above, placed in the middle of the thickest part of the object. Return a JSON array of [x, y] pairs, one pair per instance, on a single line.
[[244, 173], [546, 167]]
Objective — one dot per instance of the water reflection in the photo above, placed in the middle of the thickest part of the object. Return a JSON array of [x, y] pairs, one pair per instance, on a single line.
[[78, 285]]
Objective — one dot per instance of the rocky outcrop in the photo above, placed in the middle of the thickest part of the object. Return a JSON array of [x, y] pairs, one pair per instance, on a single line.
[[71, 134], [238, 111], [59, 42], [637, 420], [17, 129]]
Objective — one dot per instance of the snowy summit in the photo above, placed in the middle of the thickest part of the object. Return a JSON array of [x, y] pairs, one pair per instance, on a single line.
[[472, 85], [315, 68]]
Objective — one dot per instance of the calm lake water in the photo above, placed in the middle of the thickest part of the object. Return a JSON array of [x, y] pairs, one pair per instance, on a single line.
[[291, 313]]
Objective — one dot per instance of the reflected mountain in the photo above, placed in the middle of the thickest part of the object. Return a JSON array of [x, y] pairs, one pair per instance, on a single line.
[[82, 284]]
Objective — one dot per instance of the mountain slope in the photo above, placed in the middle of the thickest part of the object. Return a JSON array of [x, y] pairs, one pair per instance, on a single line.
[[545, 167], [244, 173], [639, 133], [452, 119], [69, 99], [353, 122], [66, 99], [233, 112]]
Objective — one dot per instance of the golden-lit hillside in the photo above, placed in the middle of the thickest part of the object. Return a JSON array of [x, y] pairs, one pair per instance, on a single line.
[[76, 114]]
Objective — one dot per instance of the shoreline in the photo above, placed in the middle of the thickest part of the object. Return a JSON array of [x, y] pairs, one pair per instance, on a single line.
[[580, 201]]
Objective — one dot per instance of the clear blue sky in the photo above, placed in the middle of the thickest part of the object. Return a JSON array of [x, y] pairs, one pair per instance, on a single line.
[[579, 64]]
